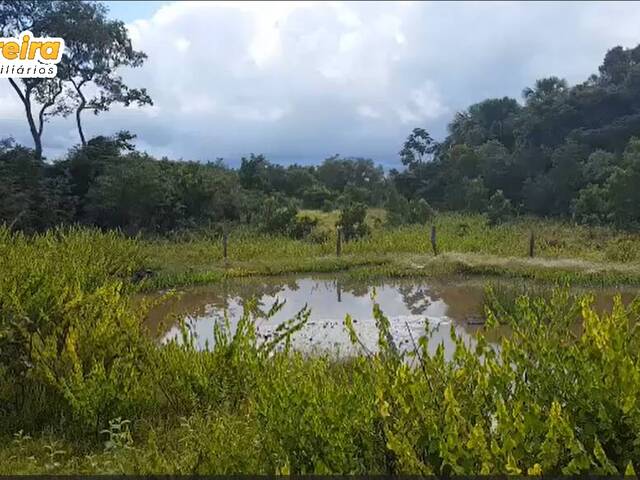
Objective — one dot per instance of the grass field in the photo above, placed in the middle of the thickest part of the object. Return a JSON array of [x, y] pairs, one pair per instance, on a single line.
[[467, 245]]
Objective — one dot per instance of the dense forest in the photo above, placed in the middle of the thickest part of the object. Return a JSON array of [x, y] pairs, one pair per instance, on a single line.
[[568, 151], [565, 151]]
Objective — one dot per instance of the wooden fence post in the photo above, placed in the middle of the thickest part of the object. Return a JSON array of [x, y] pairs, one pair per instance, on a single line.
[[225, 241], [338, 241], [532, 244], [434, 244]]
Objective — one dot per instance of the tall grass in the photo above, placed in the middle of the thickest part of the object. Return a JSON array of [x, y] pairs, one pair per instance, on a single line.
[[456, 233], [84, 390], [467, 245]]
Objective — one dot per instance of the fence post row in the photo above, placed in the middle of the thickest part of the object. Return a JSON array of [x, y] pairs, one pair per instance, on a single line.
[[225, 241], [338, 241]]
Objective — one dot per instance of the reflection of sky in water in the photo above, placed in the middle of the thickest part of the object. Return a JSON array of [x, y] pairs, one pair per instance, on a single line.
[[409, 308], [410, 304]]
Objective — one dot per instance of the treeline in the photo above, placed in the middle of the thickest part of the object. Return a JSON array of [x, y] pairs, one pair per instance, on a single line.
[[567, 151], [108, 184]]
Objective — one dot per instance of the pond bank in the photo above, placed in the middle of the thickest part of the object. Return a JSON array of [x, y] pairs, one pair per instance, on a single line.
[[375, 266]]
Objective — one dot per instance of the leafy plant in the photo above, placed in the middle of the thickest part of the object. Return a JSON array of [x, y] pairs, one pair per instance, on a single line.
[[352, 221], [499, 209]]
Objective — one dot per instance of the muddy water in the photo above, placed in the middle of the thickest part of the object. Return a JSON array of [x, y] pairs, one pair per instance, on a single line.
[[412, 306]]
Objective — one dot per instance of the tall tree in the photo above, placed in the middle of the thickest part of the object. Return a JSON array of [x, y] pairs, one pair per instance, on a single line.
[[418, 145], [96, 48], [491, 119], [40, 97]]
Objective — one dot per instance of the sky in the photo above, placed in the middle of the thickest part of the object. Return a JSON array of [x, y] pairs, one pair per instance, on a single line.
[[300, 82]]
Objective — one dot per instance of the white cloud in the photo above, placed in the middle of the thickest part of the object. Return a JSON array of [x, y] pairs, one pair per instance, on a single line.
[[301, 81], [244, 112], [424, 103], [182, 44], [10, 106], [368, 111]]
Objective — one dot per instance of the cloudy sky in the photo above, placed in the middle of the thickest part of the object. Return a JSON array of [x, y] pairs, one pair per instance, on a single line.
[[302, 81]]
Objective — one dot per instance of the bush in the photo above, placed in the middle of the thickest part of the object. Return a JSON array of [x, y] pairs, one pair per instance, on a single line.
[[303, 227], [69, 339], [401, 211], [278, 216], [591, 207], [420, 212], [500, 208], [30, 198], [559, 396], [352, 221], [317, 197], [622, 250], [546, 402]]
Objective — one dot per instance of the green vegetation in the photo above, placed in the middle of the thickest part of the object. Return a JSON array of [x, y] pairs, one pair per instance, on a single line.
[[568, 152], [468, 245], [87, 79], [84, 390]]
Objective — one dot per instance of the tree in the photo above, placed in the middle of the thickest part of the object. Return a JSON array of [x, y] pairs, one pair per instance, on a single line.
[[33, 197], [545, 90], [134, 195], [352, 221], [252, 172], [46, 93], [464, 161], [498, 168], [618, 63], [538, 194], [591, 206], [338, 173], [17, 16], [95, 48], [599, 167], [566, 175], [84, 164], [491, 119], [418, 145], [499, 209], [622, 187]]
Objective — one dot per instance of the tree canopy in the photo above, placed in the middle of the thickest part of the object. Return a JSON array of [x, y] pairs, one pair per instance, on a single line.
[[95, 48], [564, 151], [561, 150]]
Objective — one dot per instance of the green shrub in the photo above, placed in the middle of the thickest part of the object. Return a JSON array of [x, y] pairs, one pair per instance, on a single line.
[[500, 208], [278, 216], [303, 227], [352, 221], [69, 342], [590, 207], [84, 391], [401, 211]]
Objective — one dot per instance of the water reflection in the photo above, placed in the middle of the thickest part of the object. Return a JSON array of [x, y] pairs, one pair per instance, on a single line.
[[412, 306]]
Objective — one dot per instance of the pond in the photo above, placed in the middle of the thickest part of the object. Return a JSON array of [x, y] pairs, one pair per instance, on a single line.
[[412, 306]]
